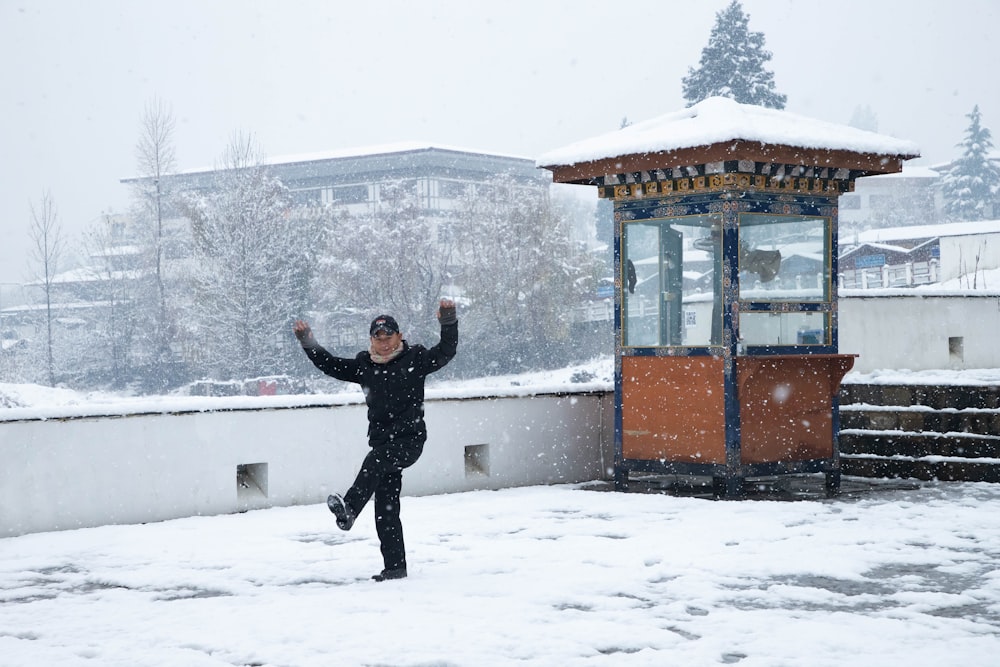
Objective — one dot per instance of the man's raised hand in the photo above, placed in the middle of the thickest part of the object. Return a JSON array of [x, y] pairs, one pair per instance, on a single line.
[[302, 331]]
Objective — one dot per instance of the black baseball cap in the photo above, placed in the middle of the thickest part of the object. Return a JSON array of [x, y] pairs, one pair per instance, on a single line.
[[384, 323]]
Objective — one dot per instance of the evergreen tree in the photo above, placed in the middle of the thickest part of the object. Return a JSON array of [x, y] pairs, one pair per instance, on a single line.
[[971, 186], [732, 64], [864, 118]]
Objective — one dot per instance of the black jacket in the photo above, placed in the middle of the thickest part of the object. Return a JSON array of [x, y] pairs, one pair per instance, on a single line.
[[394, 392]]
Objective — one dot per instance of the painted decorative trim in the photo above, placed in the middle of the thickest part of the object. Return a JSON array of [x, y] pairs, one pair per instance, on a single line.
[[729, 175]]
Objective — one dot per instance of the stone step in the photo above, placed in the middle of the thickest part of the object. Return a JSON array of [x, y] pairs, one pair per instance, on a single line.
[[917, 445], [944, 432], [930, 468], [939, 397], [918, 419]]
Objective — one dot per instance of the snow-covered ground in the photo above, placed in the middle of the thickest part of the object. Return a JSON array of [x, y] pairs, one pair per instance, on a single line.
[[894, 575]]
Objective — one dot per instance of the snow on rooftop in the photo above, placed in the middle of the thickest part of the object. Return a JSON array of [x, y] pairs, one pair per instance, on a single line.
[[364, 151], [888, 234], [878, 246], [89, 274], [909, 171], [720, 119]]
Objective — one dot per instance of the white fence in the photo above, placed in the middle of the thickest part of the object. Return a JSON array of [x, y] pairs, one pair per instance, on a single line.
[[898, 275], [88, 471]]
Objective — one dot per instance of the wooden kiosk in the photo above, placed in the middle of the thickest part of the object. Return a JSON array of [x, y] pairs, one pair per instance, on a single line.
[[725, 262]]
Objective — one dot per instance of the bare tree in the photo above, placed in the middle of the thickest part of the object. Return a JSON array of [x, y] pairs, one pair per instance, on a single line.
[[46, 249], [111, 356], [253, 261], [389, 260], [522, 276], [155, 159]]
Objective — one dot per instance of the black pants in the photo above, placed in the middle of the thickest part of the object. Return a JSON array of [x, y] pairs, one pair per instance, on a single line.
[[381, 475]]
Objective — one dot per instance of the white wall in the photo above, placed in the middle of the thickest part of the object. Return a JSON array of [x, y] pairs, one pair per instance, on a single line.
[[73, 473], [905, 331], [967, 254], [896, 329]]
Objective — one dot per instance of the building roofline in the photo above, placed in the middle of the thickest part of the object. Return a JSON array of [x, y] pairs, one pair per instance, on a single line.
[[355, 153]]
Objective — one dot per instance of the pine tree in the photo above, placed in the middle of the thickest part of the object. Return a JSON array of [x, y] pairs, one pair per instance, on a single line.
[[864, 118], [732, 64], [971, 186]]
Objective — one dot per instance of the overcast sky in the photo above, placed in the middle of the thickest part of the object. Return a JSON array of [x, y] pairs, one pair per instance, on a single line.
[[519, 77]]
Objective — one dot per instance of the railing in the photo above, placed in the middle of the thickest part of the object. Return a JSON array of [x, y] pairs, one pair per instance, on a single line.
[[898, 275], [909, 274], [595, 311]]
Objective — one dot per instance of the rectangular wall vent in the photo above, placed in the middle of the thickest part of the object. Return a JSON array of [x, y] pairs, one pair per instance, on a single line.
[[251, 481], [477, 460], [956, 350]]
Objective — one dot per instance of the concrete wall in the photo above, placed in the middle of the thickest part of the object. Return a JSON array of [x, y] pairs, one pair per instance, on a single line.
[[901, 330], [967, 255], [72, 473]]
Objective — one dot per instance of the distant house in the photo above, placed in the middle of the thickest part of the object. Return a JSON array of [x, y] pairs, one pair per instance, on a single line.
[[909, 197], [919, 254]]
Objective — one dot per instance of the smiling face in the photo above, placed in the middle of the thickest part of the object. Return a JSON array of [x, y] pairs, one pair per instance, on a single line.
[[384, 343]]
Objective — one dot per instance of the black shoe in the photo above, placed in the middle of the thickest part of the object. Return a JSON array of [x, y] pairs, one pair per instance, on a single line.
[[345, 517], [386, 575]]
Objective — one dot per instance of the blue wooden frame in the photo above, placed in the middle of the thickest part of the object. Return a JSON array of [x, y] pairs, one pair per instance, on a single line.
[[728, 478]]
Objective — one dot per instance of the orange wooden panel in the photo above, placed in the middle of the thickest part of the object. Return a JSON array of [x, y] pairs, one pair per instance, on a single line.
[[786, 406], [673, 409]]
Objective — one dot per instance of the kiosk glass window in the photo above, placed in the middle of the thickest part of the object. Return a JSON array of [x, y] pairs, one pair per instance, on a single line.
[[671, 270], [785, 259], [785, 328]]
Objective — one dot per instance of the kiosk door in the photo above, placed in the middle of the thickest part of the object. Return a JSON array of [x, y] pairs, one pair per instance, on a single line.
[[672, 274], [654, 277]]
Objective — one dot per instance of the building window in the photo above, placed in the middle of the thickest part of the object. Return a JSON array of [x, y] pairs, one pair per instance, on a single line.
[[429, 189], [350, 194], [453, 189], [884, 201], [850, 202]]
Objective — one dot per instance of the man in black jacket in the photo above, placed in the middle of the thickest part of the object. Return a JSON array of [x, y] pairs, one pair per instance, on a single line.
[[391, 374]]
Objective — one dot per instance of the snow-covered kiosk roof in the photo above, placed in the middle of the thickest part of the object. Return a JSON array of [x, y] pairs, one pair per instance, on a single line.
[[719, 129]]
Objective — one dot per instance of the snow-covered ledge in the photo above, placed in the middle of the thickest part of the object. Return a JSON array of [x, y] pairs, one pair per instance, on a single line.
[[79, 466]]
